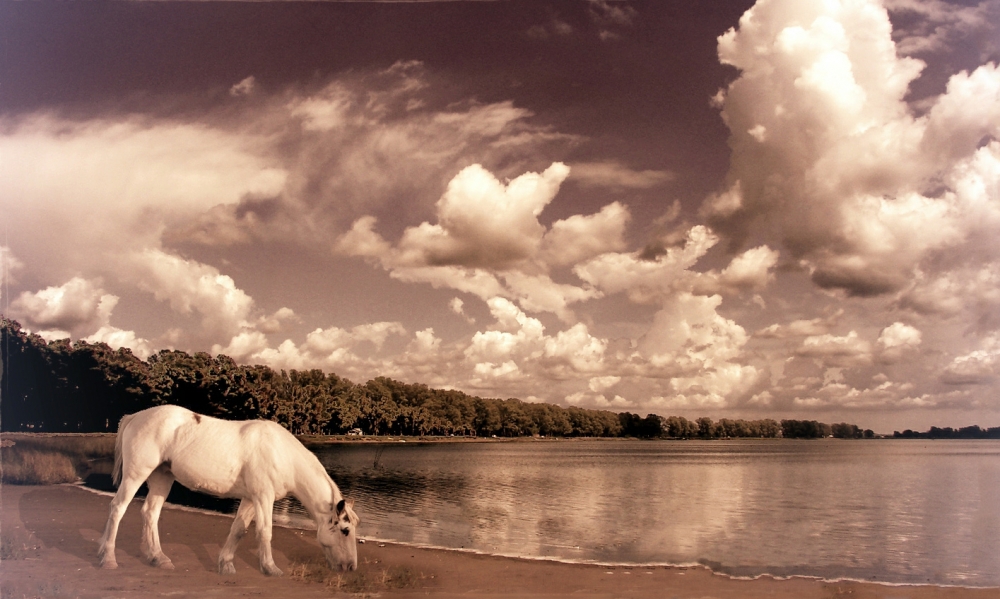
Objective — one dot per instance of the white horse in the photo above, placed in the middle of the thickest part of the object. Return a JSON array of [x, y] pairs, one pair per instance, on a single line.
[[255, 460]]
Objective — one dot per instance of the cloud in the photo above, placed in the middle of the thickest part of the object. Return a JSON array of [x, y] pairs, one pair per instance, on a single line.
[[831, 350], [899, 335], [828, 157], [190, 286], [977, 367], [117, 338], [9, 267], [458, 307], [244, 87], [94, 191], [939, 25], [580, 237], [610, 16], [671, 272], [896, 340], [483, 222], [333, 348], [488, 241], [801, 328], [76, 307], [615, 175], [698, 350], [554, 27]]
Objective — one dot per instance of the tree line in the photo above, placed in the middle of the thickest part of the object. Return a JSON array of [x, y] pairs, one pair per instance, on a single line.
[[63, 386], [966, 432]]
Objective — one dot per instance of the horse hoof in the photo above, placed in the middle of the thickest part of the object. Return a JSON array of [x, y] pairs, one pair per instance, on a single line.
[[273, 571], [227, 568], [167, 565], [109, 565]]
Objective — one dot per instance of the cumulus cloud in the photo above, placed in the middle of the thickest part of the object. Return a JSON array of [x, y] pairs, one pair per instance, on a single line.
[[482, 222], [488, 240], [190, 286], [671, 272], [582, 236], [827, 155], [75, 308], [118, 338], [333, 348], [896, 340], [976, 367], [833, 350]]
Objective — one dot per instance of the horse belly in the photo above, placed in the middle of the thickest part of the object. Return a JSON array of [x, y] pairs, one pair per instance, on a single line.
[[221, 480]]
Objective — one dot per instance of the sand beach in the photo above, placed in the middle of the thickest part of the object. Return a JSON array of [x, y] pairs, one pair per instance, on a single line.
[[50, 544]]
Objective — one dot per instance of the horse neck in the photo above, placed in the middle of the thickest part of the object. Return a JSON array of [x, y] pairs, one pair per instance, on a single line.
[[316, 491]]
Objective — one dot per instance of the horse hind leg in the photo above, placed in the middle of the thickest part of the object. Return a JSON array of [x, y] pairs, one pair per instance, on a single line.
[[244, 516], [106, 547], [159, 483]]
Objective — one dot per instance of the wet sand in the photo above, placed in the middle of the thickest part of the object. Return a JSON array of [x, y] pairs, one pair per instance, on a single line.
[[52, 532]]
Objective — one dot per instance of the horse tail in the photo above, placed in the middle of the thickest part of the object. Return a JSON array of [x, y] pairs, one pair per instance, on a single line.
[[116, 473]]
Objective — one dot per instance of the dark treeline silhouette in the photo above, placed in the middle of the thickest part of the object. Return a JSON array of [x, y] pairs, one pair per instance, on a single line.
[[966, 432], [61, 386], [810, 429]]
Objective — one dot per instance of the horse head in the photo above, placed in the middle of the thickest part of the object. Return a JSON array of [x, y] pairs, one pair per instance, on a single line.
[[339, 538]]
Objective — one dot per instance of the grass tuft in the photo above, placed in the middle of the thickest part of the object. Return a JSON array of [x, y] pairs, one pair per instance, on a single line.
[[366, 580], [31, 467], [46, 459]]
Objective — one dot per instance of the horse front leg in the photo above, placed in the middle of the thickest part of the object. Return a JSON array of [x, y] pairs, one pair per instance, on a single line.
[[159, 483], [263, 508], [244, 516], [106, 546]]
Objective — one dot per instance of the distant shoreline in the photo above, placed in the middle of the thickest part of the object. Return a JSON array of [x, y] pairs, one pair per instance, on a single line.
[[309, 440]]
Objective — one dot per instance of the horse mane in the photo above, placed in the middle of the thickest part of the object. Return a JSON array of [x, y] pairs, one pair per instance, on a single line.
[[116, 473]]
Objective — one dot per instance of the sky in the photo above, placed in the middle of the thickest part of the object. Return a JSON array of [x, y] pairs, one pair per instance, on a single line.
[[780, 209]]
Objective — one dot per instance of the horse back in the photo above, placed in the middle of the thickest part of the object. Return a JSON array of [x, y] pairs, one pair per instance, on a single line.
[[222, 457]]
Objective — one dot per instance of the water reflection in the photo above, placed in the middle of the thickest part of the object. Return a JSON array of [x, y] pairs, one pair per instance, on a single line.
[[893, 511]]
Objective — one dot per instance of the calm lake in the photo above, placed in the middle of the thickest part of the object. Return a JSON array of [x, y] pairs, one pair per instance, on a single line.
[[892, 511]]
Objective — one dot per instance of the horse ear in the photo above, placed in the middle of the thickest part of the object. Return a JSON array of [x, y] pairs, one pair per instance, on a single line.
[[350, 503], [340, 506]]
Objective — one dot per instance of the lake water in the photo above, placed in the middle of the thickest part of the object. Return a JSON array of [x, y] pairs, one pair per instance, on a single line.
[[891, 511], [899, 511]]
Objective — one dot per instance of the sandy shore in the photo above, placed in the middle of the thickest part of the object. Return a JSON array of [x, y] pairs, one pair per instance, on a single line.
[[52, 535]]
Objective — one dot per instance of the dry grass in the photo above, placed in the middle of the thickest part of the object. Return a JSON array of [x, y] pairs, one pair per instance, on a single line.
[[366, 580], [30, 467], [91, 446], [46, 459]]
